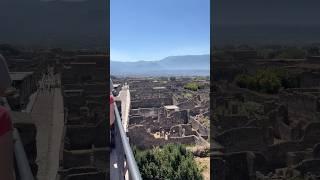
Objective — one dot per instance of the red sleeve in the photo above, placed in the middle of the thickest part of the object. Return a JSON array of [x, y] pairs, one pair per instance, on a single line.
[[111, 100], [5, 121]]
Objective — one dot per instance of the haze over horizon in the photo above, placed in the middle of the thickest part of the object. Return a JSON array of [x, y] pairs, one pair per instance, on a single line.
[[171, 65], [117, 60]]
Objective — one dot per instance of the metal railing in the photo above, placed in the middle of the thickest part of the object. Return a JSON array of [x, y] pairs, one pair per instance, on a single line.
[[23, 170], [124, 152]]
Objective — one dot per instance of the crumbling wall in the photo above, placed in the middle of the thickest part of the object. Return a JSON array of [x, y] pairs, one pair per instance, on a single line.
[[243, 139], [84, 136], [76, 158], [300, 105], [202, 130], [139, 137], [87, 176], [277, 154], [135, 120], [231, 121], [152, 102], [311, 133]]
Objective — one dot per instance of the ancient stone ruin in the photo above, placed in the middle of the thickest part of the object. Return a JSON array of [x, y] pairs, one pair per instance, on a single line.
[[84, 153], [265, 136], [163, 112]]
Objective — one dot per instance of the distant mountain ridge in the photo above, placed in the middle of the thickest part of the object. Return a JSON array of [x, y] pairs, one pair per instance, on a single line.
[[173, 65]]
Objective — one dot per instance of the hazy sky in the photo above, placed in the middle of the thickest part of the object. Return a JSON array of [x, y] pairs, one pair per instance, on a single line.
[[155, 29]]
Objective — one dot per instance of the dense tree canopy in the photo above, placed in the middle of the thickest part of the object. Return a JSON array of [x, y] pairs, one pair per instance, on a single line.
[[172, 161], [267, 80], [193, 86]]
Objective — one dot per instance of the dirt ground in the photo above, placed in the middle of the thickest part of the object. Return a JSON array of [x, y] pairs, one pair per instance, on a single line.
[[204, 163]]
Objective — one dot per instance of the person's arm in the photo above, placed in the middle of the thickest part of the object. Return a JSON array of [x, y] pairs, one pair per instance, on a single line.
[[112, 118], [6, 146], [6, 156]]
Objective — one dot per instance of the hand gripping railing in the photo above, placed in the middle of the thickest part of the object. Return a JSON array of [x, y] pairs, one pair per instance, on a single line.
[[124, 151], [23, 168]]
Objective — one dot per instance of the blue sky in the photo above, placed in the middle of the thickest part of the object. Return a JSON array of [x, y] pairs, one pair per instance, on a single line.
[[154, 29]]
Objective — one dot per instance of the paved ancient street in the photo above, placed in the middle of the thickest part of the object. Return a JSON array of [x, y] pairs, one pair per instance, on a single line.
[[56, 134], [42, 115], [124, 97], [47, 112]]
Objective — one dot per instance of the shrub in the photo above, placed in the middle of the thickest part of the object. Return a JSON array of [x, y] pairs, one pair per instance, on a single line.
[[172, 161], [267, 80], [192, 86]]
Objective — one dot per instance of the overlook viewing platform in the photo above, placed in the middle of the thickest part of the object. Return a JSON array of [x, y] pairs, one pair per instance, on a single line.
[[122, 162]]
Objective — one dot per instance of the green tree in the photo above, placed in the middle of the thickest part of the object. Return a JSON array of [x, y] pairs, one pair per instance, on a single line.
[[172, 161], [267, 80], [192, 86], [269, 83]]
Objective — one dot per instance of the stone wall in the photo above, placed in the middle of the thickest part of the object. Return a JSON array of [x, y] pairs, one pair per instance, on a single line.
[[139, 137], [133, 120], [294, 158], [147, 112], [84, 154], [187, 105], [73, 103], [84, 136], [76, 158], [180, 117], [276, 154], [309, 79], [87, 176], [231, 121], [86, 72], [101, 156], [181, 130], [309, 166], [243, 165], [197, 126], [76, 170], [301, 105], [312, 133], [243, 139], [284, 131], [149, 103]]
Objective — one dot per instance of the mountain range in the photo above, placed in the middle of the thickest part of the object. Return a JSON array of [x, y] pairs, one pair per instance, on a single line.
[[188, 65]]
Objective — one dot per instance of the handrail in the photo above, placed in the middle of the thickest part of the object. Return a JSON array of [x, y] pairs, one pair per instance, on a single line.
[[130, 160], [22, 162]]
